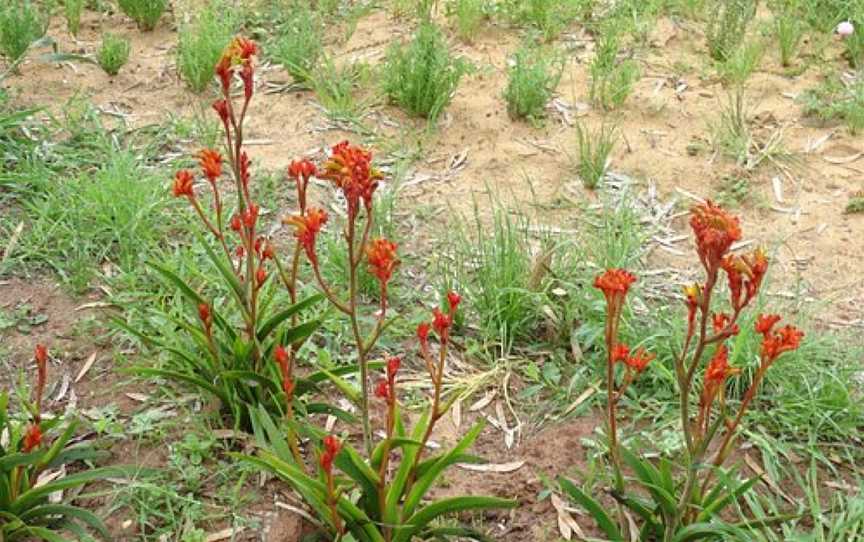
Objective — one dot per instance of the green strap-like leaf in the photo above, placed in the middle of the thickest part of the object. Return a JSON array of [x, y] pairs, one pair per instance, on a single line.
[[33, 496], [716, 503], [593, 507], [423, 483], [63, 510], [183, 377], [400, 479], [452, 505], [274, 321], [651, 478]]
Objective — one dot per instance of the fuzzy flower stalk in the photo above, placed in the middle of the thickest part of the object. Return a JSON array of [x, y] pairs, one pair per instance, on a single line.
[[615, 284], [708, 331], [350, 169]]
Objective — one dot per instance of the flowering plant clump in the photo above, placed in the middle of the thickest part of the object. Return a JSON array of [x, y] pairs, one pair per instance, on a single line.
[[248, 361], [688, 505], [241, 350], [31, 450], [383, 497]]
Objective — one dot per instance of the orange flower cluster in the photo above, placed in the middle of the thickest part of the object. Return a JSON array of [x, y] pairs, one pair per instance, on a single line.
[[715, 231], [211, 164], [32, 438], [183, 182], [745, 275], [239, 53], [350, 169], [776, 342], [308, 226], [386, 388], [636, 361], [381, 255]]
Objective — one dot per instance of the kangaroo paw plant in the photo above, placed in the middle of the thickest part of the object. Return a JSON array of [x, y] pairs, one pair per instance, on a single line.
[[679, 503], [29, 461]]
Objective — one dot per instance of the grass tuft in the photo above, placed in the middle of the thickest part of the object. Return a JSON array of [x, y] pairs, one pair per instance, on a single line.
[[594, 149], [532, 77], [201, 43], [297, 45], [145, 13], [422, 75], [21, 24], [72, 10], [114, 53], [727, 25]]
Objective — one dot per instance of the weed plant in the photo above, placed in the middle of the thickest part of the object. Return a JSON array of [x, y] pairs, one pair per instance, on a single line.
[[145, 13], [737, 68], [532, 77], [594, 149], [612, 79], [297, 45], [422, 76], [727, 26], [72, 10], [550, 17], [201, 42], [21, 24], [731, 134], [789, 28], [334, 87], [114, 53], [466, 16], [836, 99]]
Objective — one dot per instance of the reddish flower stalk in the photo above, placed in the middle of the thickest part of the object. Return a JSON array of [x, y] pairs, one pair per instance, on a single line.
[[441, 324], [332, 446], [284, 358], [386, 390], [615, 283], [350, 169]]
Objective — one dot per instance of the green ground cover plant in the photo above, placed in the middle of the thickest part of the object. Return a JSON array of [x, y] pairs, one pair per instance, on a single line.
[[145, 13], [114, 53], [72, 10], [298, 44], [531, 80], [201, 42], [21, 24]]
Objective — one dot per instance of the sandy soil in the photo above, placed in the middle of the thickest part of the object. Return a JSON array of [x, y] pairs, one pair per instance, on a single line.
[[816, 247]]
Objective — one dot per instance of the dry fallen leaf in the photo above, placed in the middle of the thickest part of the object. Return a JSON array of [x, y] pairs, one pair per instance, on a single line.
[[567, 526], [484, 401], [87, 365], [492, 467]]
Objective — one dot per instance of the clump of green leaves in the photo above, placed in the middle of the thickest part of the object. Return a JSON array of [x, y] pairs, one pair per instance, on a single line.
[[836, 99], [422, 75], [727, 25], [298, 45], [612, 79], [21, 24], [72, 10], [788, 28], [733, 190], [741, 63], [594, 149], [334, 87], [856, 204], [550, 17], [532, 77], [145, 13], [201, 43], [731, 133], [114, 53], [466, 16]]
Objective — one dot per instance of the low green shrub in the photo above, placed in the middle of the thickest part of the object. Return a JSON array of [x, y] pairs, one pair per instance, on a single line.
[[298, 45], [594, 149], [422, 75], [201, 43], [21, 24], [532, 77], [114, 53], [72, 10], [145, 13], [727, 26]]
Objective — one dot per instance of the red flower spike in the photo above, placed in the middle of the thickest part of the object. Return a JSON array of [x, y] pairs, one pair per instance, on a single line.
[[221, 108], [236, 224], [718, 368], [204, 314], [441, 324], [715, 231], [423, 332], [261, 276], [639, 360], [350, 169], [783, 340], [301, 169], [615, 283], [211, 164], [620, 352], [733, 266], [721, 321], [393, 365], [32, 438], [41, 354], [765, 323], [453, 299], [331, 449], [281, 357], [225, 69], [250, 216], [244, 169], [307, 228], [183, 181], [247, 75], [381, 255], [382, 390]]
